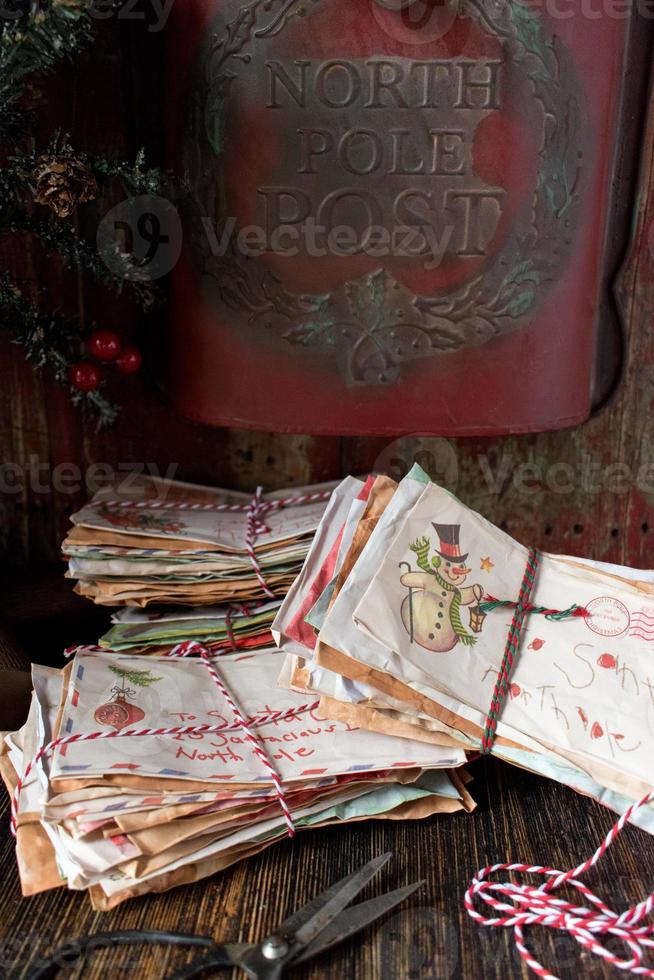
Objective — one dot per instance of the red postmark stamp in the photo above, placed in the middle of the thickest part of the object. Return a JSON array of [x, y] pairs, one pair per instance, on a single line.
[[607, 616]]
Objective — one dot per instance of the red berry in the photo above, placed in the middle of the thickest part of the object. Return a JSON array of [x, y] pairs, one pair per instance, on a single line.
[[515, 690], [105, 345], [129, 361], [596, 731], [84, 375], [607, 660]]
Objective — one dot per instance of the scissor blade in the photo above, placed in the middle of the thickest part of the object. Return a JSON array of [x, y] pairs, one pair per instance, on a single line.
[[309, 922], [355, 918]]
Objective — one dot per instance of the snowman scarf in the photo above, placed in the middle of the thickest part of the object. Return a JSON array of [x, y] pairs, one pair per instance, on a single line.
[[455, 611]]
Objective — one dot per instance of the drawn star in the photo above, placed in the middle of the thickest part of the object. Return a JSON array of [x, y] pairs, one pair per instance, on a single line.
[[486, 565]]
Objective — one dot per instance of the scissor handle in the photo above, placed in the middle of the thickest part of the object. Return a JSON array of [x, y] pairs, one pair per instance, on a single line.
[[72, 950], [218, 958]]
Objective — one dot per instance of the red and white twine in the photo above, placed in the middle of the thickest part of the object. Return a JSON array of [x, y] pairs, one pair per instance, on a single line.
[[255, 527], [244, 610], [240, 724], [257, 509], [530, 905], [192, 646], [150, 503]]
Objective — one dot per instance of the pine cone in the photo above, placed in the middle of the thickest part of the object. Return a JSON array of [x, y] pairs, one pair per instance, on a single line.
[[61, 183]]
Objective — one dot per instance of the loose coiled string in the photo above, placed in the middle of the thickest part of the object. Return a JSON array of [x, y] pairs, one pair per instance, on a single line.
[[529, 905]]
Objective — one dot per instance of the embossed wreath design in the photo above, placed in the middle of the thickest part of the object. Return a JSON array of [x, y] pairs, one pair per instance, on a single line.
[[373, 324]]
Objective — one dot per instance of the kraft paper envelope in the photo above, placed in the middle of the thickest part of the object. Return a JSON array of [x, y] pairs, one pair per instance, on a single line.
[[326, 538]]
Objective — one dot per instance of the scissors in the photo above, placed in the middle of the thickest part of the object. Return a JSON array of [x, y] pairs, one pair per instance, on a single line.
[[322, 923]]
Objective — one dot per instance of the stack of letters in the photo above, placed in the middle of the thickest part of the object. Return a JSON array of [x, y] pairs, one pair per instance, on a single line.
[[129, 814], [399, 621], [168, 542], [224, 627], [392, 669]]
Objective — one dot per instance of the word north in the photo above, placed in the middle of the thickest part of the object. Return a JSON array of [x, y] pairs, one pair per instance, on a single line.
[[378, 83]]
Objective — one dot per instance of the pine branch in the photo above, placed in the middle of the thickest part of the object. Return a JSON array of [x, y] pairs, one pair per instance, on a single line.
[[59, 237], [135, 178], [35, 40], [35, 37], [139, 678], [14, 120], [40, 38]]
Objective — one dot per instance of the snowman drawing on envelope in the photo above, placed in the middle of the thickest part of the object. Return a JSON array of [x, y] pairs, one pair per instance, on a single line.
[[431, 611]]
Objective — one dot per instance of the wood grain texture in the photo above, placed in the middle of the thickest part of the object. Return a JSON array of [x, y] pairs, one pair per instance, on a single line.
[[578, 494], [430, 936], [519, 817]]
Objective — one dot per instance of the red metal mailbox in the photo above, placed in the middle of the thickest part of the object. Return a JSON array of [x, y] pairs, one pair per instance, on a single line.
[[400, 213]]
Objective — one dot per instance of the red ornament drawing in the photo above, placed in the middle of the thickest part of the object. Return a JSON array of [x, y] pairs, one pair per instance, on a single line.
[[596, 731], [536, 644], [119, 713]]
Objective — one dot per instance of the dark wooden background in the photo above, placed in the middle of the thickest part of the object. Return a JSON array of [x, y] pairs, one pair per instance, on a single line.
[[584, 491], [110, 100]]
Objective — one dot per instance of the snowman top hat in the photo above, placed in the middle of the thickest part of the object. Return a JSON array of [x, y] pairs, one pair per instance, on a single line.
[[448, 535]]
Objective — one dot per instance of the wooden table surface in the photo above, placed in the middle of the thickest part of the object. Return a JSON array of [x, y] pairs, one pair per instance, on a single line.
[[519, 817]]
